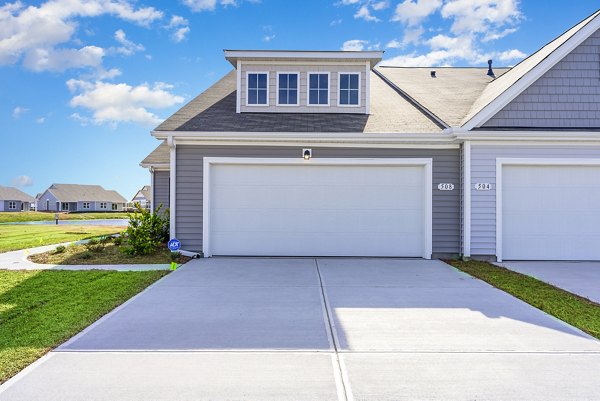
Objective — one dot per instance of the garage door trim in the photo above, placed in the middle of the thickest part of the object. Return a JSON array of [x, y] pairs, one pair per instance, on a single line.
[[501, 162], [427, 163]]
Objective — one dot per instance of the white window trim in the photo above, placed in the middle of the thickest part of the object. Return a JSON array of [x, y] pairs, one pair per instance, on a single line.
[[501, 162], [339, 88], [426, 163], [83, 205], [105, 205], [12, 205], [308, 74], [297, 89], [248, 89]]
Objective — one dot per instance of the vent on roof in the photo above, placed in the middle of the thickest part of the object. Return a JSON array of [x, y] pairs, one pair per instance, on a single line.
[[432, 73], [490, 71]]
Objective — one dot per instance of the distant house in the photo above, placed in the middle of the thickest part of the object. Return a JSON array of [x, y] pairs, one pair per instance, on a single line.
[[158, 162], [14, 200], [143, 197], [80, 198]]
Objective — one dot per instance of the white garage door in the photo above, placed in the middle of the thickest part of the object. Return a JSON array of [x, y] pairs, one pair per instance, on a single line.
[[551, 212], [317, 210]]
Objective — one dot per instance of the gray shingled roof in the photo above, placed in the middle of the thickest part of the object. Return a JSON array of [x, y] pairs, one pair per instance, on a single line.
[[146, 192], [159, 156], [450, 95], [76, 192], [215, 111], [14, 194], [500, 85]]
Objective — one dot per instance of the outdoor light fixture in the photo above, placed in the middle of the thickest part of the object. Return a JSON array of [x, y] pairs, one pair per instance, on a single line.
[[306, 153]]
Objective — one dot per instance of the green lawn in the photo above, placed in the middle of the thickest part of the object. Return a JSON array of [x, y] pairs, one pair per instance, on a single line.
[[14, 237], [14, 217], [41, 309], [568, 307]]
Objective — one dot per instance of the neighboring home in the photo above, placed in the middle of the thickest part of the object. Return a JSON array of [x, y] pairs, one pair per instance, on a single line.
[[143, 197], [312, 153], [80, 198], [158, 164], [14, 200]]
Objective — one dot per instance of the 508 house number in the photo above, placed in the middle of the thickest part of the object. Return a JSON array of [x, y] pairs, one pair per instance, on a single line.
[[445, 186]]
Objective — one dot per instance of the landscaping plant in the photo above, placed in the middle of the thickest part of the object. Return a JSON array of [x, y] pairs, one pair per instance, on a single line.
[[147, 231]]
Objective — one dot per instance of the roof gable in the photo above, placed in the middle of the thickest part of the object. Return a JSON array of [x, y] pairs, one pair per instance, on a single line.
[[76, 192], [504, 89], [14, 194]]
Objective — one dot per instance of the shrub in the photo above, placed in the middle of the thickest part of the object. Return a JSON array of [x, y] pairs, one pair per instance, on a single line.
[[146, 231], [86, 255], [60, 249], [94, 245], [175, 256], [117, 240]]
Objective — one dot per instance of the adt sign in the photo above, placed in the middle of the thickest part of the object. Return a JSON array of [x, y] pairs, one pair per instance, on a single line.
[[174, 245]]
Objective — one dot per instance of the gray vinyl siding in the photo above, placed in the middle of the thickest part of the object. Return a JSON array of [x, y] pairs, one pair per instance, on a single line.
[[161, 189], [189, 176], [483, 170], [304, 70], [567, 96], [41, 204], [18, 206]]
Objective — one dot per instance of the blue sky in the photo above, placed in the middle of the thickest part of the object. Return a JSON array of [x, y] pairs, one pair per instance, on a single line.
[[83, 82]]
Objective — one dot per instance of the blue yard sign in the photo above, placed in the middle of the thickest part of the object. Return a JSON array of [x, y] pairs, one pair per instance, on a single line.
[[174, 244]]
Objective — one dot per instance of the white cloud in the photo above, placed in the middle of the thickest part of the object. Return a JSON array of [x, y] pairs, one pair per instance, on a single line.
[[364, 13], [40, 120], [179, 28], [355, 45], [269, 35], [19, 111], [127, 47], [413, 12], [114, 103], [22, 181], [471, 16], [33, 33], [335, 22], [268, 38], [394, 44], [380, 5], [211, 5], [511, 55]]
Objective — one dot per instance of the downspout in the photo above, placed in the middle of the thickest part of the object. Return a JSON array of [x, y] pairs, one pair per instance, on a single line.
[[172, 186]]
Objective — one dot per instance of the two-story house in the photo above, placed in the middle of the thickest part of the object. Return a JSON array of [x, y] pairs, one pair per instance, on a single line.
[[317, 153]]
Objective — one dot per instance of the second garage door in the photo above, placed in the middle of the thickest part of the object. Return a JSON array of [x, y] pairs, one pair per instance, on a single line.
[[550, 212], [312, 209]]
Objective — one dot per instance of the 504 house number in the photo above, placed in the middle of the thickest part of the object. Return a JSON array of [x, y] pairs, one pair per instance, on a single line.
[[483, 186]]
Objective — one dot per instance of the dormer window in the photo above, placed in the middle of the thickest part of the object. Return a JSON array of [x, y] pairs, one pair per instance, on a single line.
[[318, 89], [258, 88], [349, 89], [287, 89]]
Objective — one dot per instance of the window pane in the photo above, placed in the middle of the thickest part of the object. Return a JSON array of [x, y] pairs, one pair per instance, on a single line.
[[354, 97], [322, 81], [262, 96], [293, 96], [283, 96], [344, 81], [293, 81], [262, 81], [322, 96], [314, 80], [283, 81], [252, 96], [313, 97], [343, 96], [354, 81], [251, 80]]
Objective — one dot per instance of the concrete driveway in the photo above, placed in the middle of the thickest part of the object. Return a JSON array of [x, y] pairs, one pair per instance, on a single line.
[[318, 329], [581, 278]]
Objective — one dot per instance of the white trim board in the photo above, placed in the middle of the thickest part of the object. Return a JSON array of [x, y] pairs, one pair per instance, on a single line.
[[308, 74], [297, 73], [501, 162], [427, 163], [466, 220], [339, 89]]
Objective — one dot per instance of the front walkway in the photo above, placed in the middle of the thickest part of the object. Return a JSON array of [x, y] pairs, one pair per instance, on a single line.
[[318, 329], [581, 278], [17, 260]]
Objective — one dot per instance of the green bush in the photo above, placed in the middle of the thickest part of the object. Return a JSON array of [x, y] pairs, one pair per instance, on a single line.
[[86, 255], [60, 249], [117, 240], [146, 231], [94, 245], [175, 256]]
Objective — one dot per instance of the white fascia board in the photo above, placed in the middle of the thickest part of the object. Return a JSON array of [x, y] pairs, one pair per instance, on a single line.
[[234, 55], [156, 166], [536, 136], [533, 75]]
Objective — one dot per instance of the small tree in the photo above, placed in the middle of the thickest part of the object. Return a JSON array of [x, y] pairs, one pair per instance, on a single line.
[[146, 230]]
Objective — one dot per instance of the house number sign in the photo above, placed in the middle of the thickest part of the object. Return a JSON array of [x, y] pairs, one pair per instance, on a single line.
[[446, 186], [483, 186]]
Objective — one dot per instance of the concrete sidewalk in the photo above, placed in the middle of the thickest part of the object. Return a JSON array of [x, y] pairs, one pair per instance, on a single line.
[[318, 329], [581, 278], [17, 260]]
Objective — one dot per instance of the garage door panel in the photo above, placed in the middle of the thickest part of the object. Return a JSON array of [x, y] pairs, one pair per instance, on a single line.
[[551, 212], [314, 210]]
